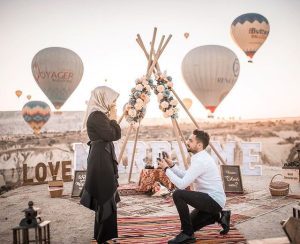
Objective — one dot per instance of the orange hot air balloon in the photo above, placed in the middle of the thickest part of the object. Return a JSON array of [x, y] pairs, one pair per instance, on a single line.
[[186, 35], [57, 71], [250, 31], [187, 102], [36, 114], [28, 97], [18, 93]]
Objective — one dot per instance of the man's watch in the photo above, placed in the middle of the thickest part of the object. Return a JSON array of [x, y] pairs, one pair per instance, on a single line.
[[165, 169]]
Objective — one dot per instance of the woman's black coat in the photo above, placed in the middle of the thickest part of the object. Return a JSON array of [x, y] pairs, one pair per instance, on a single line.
[[100, 190]]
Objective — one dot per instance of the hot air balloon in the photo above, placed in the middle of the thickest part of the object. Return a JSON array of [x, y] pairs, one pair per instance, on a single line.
[[36, 114], [250, 31], [210, 72], [28, 97], [18, 93], [58, 72], [187, 102], [186, 35]]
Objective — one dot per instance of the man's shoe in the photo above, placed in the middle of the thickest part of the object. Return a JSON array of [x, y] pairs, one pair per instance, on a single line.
[[182, 238], [225, 222]]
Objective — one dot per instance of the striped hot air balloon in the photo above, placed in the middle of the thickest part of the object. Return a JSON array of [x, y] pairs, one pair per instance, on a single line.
[[210, 72], [250, 31], [36, 114]]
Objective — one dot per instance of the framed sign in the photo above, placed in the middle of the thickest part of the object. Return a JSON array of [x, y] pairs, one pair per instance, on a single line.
[[78, 182], [232, 179]]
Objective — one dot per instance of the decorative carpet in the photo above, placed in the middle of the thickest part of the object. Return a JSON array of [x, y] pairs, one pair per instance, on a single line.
[[160, 229], [129, 189]]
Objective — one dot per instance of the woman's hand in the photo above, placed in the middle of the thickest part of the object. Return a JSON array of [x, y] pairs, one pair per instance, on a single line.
[[113, 113]]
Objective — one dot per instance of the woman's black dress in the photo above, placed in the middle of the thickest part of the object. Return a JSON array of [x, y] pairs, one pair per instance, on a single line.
[[100, 190]]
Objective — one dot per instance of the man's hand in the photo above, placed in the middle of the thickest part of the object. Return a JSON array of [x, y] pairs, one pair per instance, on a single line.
[[163, 164], [113, 113], [168, 159]]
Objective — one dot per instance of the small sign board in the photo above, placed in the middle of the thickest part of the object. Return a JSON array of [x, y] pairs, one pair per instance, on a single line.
[[232, 179], [78, 182], [291, 175]]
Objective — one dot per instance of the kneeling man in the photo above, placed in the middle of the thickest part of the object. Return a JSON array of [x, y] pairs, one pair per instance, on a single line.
[[208, 197]]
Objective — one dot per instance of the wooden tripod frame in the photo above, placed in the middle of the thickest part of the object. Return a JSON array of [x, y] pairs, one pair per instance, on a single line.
[[153, 67]]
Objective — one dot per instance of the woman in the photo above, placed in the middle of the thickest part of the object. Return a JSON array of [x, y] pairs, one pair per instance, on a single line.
[[100, 190]]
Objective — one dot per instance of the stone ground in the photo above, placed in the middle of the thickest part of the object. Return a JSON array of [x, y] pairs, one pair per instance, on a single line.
[[260, 213]]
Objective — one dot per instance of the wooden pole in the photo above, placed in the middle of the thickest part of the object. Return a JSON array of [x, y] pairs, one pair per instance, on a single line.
[[181, 134], [185, 108], [179, 144], [198, 127], [151, 49], [124, 144], [133, 153], [140, 42], [164, 46]]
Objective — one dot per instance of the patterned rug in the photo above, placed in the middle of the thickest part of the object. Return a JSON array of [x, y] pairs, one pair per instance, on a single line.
[[129, 189], [160, 229]]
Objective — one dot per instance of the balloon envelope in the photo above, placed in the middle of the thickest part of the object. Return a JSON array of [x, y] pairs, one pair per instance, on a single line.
[[28, 97], [58, 72], [187, 102], [36, 114], [250, 31], [18, 93], [210, 72], [186, 35]]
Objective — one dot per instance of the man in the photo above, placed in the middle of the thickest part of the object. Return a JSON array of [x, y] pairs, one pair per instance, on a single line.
[[208, 197]]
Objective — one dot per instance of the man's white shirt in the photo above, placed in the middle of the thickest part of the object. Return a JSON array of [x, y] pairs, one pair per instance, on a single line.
[[203, 173]]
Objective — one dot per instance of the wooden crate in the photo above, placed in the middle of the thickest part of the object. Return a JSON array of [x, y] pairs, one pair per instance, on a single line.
[[55, 188]]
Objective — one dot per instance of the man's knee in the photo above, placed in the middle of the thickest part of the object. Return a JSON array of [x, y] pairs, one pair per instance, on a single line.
[[177, 193]]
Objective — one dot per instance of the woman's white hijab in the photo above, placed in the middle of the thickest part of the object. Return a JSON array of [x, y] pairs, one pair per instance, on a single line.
[[102, 99]]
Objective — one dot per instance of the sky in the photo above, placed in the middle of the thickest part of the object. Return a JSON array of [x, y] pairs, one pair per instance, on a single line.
[[103, 34]]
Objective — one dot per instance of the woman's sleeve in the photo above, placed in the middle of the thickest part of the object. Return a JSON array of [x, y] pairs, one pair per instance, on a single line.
[[108, 130]]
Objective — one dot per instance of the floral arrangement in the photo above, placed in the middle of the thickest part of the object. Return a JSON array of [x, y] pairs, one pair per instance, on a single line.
[[135, 109], [166, 101]]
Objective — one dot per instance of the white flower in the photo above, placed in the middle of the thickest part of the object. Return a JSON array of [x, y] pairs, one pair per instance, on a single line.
[[139, 87], [174, 102], [139, 101], [160, 88], [144, 82], [127, 107], [170, 112], [160, 96], [148, 88], [164, 104], [170, 84], [132, 113], [138, 106], [147, 99]]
